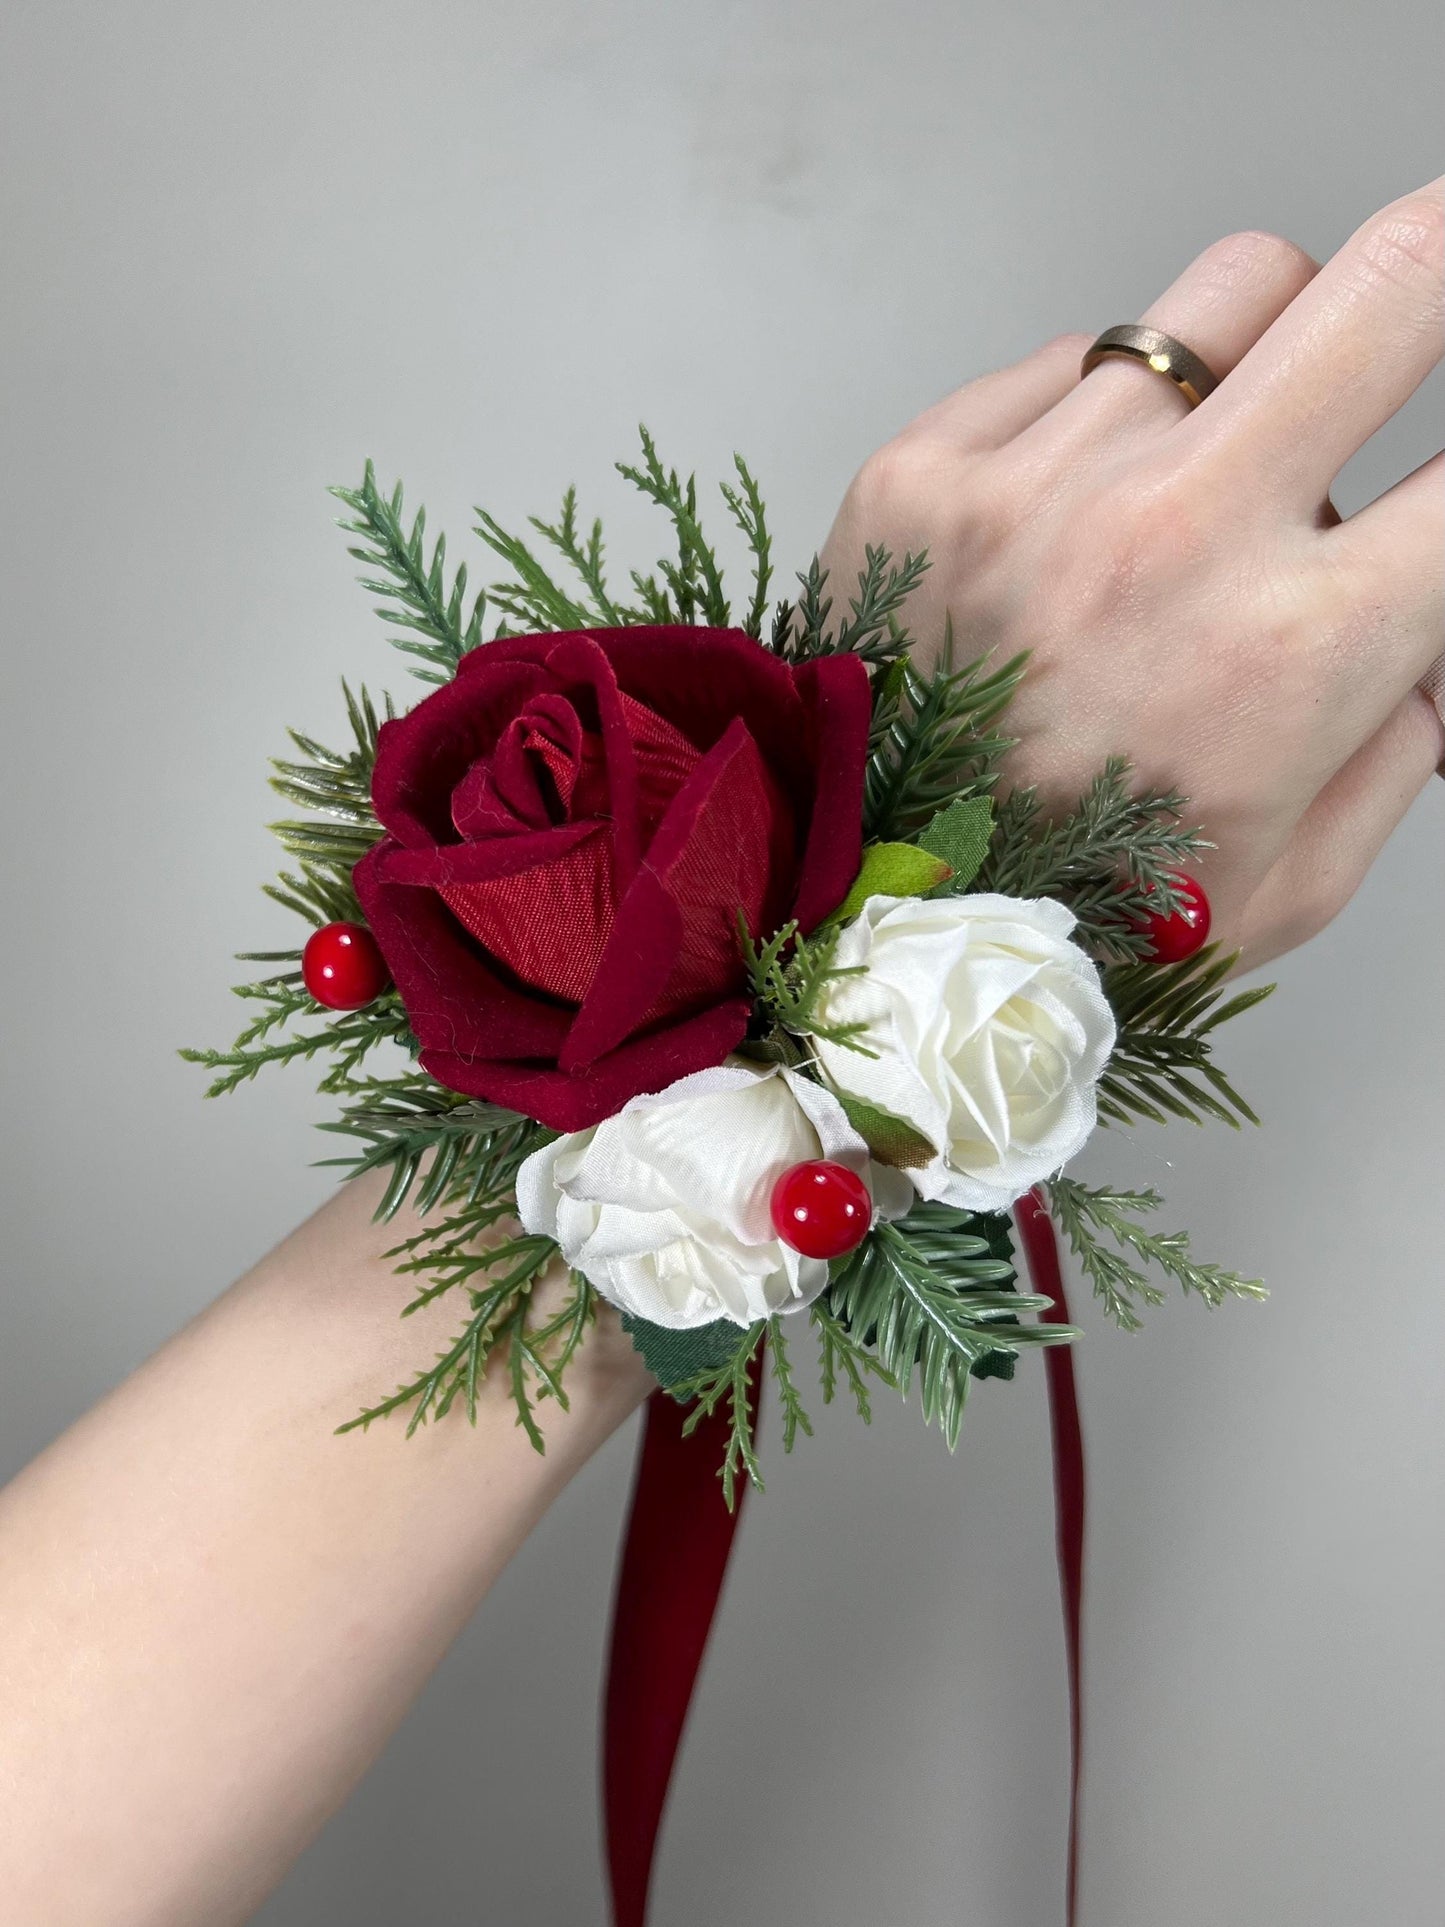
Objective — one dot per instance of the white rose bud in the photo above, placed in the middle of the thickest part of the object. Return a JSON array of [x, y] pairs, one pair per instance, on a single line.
[[990, 1030], [666, 1207]]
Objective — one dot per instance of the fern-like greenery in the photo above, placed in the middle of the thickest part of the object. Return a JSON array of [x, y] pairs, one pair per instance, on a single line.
[[432, 1143], [503, 1332], [1087, 1217], [733, 1383], [872, 631], [348, 1037], [928, 1294], [1113, 859], [443, 1151], [1161, 1065], [430, 618], [788, 974], [730, 1381], [694, 579], [934, 739]]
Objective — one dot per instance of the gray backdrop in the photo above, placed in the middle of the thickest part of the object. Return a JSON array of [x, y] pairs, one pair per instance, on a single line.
[[245, 247]]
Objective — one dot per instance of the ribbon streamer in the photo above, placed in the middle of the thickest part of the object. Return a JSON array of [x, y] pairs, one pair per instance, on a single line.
[[674, 1561], [1041, 1247]]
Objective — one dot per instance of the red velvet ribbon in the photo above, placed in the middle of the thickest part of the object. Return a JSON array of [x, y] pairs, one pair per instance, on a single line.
[[674, 1561], [1041, 1248], [675, 1558]]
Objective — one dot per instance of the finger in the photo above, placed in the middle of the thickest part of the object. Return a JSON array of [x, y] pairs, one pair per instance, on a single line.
[[1342, 832], [1343, 357], [994, 408], [1432, 687], [1219, 307], [1385, 566]]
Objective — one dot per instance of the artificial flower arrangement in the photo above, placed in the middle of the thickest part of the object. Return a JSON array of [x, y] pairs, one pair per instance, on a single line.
[[713, 968]]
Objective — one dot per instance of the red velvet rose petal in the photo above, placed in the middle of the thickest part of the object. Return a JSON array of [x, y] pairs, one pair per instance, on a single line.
[[567, 1103], [422, 756], [454, 1002], [578, 661], [528, 780], [449, 864], [651, 700], [702, 680], [725, 846], [550, 924], [838, 699], [665, 760]]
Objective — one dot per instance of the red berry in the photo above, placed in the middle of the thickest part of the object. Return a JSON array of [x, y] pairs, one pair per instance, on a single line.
[[1176, 937], [821, 1209], [342, 966]]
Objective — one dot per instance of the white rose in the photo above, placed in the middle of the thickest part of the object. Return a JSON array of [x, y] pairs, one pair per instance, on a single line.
[[991, 1030], [666, 1207]]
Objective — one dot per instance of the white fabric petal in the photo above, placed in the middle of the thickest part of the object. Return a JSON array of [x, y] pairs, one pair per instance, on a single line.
[[537, 1194], [989, 1030], [666, 1207]]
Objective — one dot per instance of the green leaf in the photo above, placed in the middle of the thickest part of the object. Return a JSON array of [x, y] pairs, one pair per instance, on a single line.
[[676, 1357], [959, 837], [892, 1140], [892, 870]]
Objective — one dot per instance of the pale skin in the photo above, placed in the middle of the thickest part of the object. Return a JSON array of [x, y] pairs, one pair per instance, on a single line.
[[213, 1611]]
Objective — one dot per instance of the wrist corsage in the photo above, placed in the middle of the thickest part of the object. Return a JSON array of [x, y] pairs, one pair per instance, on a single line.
[[697, 959]]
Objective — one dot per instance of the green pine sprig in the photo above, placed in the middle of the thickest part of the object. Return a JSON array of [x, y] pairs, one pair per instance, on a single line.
[[695, 580], [532, 599], [795, 1419], [430, 618], [586, 559], [934, 739], [334, 786], [745, 505], [730, 1383], [873, 631], [463, 1158], [683, 589], [503, 1332], [927, 1293], [1112, 859], [1088, 1216], [434, 1145], [788, 974], [1161, 1065], [842, 1357], [349, 1038]]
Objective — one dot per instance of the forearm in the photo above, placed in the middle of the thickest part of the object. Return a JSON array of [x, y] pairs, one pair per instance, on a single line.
[[214, 1611]]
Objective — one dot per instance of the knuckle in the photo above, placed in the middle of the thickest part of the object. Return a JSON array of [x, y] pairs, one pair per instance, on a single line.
[[1404, 246], [1255, 255], [900, 475], [1149, 527]]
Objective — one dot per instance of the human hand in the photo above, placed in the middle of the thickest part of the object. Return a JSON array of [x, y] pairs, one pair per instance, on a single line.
[[1189, 595]]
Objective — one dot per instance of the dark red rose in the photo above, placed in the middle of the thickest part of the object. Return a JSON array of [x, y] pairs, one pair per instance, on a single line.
[[573, 825]]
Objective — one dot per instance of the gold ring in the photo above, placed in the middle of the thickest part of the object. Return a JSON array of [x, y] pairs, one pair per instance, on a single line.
[[1158, 351]]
